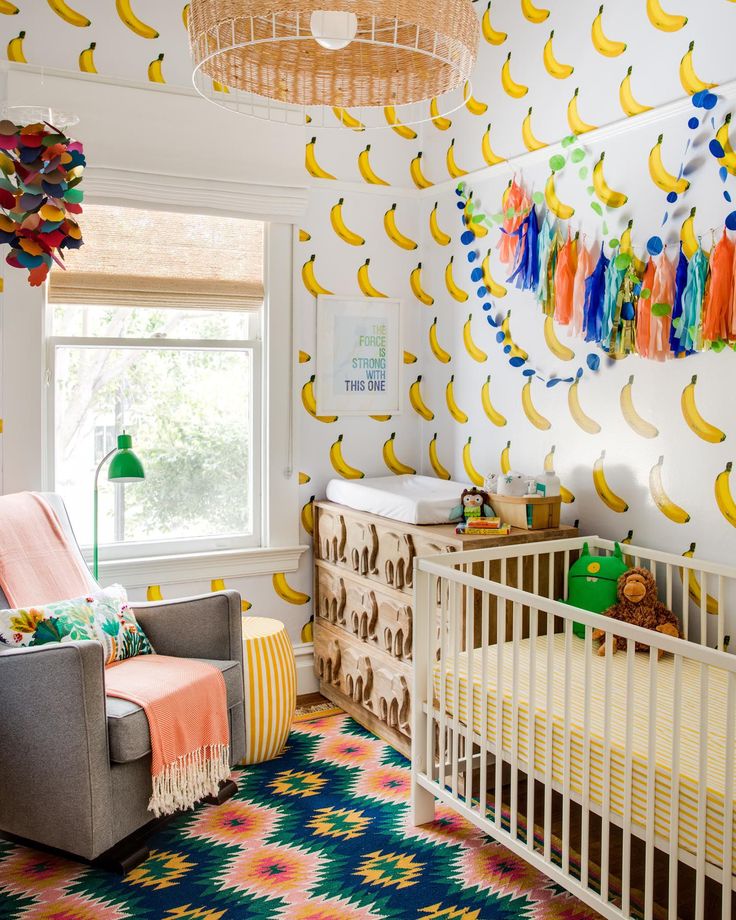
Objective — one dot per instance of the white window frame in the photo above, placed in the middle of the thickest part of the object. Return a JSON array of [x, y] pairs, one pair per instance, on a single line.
[[133, 549]]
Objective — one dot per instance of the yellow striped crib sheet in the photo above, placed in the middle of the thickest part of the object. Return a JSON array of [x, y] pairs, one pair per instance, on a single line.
[[270, 687], [551, 722]]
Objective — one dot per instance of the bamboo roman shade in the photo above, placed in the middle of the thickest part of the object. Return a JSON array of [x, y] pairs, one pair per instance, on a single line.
[[138, 258]]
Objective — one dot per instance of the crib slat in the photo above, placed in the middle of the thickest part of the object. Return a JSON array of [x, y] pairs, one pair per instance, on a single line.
[[674, 842], [585, 819], [703, 608], [566, 754], [498, 782], [728, 822], [702, 795], [516, 638], [429, 663], [549, 717], [470, 720], [485, 651], [606, 816], [628, 770], [442, 738], [668, 585], [532, 733], [685, 604], [651, 765], [456, 630], [721, 617]]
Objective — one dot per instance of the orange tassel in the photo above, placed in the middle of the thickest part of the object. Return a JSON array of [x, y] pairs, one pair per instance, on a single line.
[[517, 202], [564, 283], [663, 292], [644, 312], [584, 268], [718, 298]]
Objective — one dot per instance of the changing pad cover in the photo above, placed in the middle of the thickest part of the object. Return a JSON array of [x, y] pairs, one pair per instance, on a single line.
[[411, 499]]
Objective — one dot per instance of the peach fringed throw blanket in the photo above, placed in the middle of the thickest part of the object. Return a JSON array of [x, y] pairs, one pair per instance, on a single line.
[[37, 565], [186, 706]]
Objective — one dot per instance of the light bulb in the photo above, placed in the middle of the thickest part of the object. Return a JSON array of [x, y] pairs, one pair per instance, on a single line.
[[333, 29]]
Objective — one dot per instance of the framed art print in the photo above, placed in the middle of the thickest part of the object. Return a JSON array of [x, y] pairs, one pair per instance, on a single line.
[[359, 350]]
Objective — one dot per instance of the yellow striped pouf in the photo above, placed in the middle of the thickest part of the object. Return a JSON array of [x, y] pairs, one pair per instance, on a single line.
[[270, 687]]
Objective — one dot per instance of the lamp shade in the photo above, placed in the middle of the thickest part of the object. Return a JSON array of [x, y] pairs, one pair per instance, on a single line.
[[125, 465]]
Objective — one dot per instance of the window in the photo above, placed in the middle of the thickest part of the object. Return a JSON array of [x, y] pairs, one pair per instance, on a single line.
[[155, 329]]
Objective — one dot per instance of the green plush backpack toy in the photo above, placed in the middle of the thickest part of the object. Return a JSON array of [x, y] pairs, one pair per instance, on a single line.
[[592, 583]]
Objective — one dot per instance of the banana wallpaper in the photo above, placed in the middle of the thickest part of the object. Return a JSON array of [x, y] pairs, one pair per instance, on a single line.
[[642, 447]]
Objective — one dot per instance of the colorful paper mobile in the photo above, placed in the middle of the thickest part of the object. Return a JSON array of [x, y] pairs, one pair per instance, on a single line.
[[40, 197]]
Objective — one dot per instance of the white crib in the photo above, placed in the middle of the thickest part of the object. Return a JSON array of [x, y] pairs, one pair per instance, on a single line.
[[615, 777]]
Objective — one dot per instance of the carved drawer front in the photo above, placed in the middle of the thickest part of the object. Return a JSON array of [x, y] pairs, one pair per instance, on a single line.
[[395, 557], [331, 596], [331, 536]]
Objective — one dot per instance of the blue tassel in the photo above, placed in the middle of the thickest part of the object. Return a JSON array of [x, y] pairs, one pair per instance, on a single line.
[[595, 289], [526, 267], [676, 330], [546, 236], [692, 301], [614, 279]]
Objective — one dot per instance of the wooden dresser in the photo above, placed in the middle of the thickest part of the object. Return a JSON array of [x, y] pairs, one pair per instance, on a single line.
[[363, 598]]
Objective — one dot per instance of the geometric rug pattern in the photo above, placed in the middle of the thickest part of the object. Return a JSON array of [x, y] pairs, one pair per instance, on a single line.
[[321, 833]]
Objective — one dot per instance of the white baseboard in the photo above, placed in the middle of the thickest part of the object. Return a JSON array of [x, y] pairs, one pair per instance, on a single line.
[[306, 680]]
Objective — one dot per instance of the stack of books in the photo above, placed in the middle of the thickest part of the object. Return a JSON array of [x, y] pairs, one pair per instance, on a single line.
[[492, 526]]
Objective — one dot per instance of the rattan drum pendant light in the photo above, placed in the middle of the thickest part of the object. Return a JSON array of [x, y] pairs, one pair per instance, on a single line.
[[277, 59]]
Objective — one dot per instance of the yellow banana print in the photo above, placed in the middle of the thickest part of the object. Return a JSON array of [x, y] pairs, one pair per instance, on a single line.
[[491, 35], [439, 121], [626, 246], [530, 410], [128, 18], [417, 401], [217, 584], [577, 125], [531, 141], [473, 105], [438, 234], [724, 496], [491, 285], [87, 59], [286, 592], [561, 210], [340, 227], [505, 462], [660, 498], [307, 515], [416, 173], [398, 126], [185, 15], [601, 42], [549, 467], [453, 169], [588, 425], [553, 67], [366, 170], [476, 353], [695, 420], [723, 138], [691, 82], [533, 13], [515, 351], [415, 283], [638, 424], [440, 471], [392, 461], [339, 463], [155, 70], [510, 86], [304, 236], [605, 193], [10, 9], [365, 284], [688, 237], [455, 411], [309, 279], [489, 155], [666, 22], [15, 49], [694, 588], [304, 357], [605, 492], [393, 232], [310, 403], [69, 15], [472, 473], [153, 593], [475, 225], [626, 96], [313, 167], [661, 177], [494, 416], [453, 289], [304, 478], [346, 119], [554, 344], [409, 358], [437, 350]]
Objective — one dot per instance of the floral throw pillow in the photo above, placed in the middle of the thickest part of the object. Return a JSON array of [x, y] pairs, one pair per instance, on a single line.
[[104, 616]]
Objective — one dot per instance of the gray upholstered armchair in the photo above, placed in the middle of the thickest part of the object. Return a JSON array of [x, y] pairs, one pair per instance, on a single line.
[[75, 770]]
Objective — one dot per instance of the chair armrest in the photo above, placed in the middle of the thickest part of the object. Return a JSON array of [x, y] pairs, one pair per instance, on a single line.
[[208, 626], [55, 784]]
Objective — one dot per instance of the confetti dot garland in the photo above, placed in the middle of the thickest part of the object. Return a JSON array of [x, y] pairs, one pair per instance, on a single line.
[[41, 170]]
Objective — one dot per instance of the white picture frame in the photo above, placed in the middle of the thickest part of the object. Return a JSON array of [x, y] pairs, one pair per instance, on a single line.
[[359, 355]]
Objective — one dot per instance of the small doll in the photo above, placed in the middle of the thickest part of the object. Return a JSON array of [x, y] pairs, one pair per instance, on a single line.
[[474, 503]]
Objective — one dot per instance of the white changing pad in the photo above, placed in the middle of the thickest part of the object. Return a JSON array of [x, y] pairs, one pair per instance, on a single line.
[[411, 499]]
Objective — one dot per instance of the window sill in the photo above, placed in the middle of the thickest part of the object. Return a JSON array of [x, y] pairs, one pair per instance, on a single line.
[[189, 567]]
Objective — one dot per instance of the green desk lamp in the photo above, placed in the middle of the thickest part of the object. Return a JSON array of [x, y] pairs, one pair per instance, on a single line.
[[124, 467]]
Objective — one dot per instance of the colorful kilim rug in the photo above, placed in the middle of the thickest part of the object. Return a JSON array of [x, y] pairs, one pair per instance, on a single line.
[[321, 833]]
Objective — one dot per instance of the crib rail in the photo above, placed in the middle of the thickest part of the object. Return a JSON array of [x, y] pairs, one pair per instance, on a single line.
[[612, 773]]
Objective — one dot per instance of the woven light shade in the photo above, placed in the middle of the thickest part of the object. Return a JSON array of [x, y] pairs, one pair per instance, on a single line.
[[262, 58]]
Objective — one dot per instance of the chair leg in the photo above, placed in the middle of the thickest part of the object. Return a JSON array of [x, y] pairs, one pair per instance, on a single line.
[[226, 791]]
